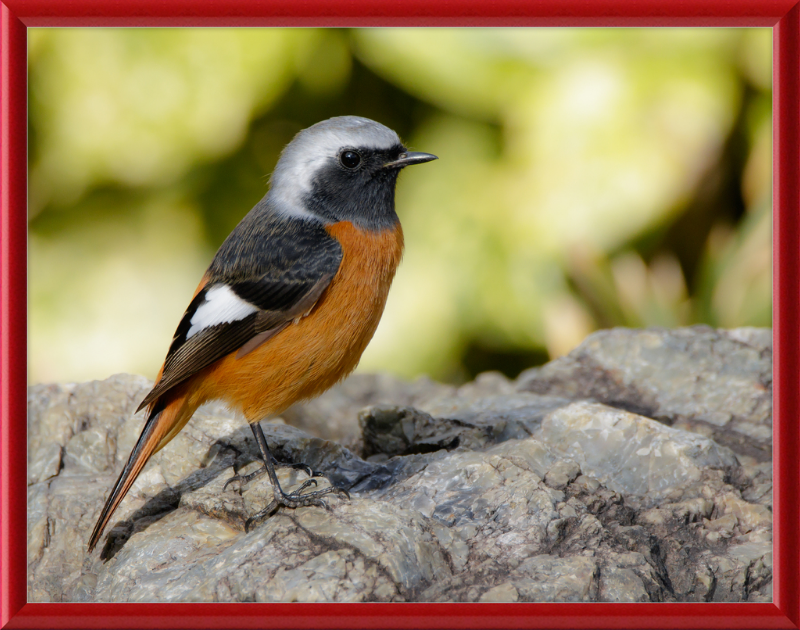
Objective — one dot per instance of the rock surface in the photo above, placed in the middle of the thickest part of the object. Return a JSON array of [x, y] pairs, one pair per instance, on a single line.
[[714, 382], [637, 468]]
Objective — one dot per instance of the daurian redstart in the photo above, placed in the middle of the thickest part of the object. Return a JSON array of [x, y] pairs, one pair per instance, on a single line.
[[291, 298]]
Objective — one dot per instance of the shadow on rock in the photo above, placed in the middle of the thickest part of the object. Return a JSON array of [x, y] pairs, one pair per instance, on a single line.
[[221, 457], [237, 451]]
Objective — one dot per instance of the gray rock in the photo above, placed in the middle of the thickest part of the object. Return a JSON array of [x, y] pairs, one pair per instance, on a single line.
[[630, 453], [389, 430], [487, 492], [333, 415], [562, 474], [714, 382]]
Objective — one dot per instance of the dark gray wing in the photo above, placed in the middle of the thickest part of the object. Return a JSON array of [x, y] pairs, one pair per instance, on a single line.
[[279, 269]]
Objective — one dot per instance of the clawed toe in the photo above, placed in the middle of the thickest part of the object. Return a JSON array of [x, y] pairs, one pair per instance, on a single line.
[[230, 481], [296, 493], [299, 466], [295, 500], [267, 511], [305, 468], [244, 479]]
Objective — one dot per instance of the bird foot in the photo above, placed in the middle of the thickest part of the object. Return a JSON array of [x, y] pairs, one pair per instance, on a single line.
[[280, 498], [295, 500], [245, 479]]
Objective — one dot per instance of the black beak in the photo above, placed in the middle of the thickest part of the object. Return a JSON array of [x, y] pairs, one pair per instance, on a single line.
[[409, 158]]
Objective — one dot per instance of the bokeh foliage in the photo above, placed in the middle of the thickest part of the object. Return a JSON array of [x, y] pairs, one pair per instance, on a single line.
[[587, 178]]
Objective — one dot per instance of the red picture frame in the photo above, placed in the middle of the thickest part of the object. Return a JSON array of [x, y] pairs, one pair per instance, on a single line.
[[17, 15]]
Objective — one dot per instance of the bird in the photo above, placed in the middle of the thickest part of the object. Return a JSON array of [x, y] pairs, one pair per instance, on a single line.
[[290, 300]]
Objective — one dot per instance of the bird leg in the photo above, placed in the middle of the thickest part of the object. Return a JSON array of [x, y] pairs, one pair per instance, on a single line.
[[280, 498]]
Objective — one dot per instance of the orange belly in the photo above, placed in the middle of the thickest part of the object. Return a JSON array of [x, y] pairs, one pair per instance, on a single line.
[[312, 354]]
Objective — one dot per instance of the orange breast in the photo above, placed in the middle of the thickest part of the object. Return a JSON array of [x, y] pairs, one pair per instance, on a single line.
[[311, 355]]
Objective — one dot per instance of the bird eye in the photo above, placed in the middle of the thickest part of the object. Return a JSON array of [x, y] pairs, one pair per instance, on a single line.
[[350, 159]]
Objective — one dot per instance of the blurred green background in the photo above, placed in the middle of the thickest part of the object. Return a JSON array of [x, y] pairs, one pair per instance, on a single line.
[[587, 178]]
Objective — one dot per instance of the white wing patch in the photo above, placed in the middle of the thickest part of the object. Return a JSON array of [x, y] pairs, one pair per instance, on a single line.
[[222, 306]]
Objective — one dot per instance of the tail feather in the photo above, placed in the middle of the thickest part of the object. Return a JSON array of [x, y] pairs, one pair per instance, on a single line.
[[163, 423]]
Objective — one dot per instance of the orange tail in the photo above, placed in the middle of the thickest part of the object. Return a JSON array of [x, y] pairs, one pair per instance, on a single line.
[[163, 423]]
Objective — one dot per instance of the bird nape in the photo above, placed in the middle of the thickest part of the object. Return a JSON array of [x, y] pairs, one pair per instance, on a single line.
[[290, 300]]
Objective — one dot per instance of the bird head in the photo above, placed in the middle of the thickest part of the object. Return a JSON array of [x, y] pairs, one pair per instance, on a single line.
[[342, 169]]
